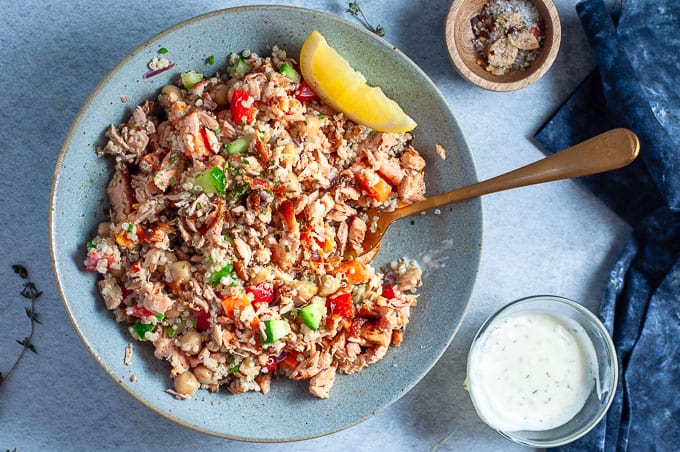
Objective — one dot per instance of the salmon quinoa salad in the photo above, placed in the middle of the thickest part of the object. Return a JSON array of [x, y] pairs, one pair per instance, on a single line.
[[233, 200]]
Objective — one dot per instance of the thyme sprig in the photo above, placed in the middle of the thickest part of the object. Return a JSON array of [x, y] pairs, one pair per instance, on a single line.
[[30, 292], [355, 10]]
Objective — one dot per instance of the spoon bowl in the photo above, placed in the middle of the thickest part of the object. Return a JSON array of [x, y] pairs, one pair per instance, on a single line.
[[608, 151]]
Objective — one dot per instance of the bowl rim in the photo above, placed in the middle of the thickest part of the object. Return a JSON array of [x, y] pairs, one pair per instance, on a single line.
[[53, 197], [611, 353], [499, 86]]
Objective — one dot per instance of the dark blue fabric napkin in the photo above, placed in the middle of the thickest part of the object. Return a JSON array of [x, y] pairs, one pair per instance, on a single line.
[[637, 85]]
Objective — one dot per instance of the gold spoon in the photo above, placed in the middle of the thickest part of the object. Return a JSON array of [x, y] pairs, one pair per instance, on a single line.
[[610, 150]]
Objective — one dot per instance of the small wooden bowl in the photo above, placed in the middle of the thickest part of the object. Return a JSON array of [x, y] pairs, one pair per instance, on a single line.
[[459, 38]]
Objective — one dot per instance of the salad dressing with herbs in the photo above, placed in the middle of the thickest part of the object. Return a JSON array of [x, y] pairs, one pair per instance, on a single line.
[[531, 372]]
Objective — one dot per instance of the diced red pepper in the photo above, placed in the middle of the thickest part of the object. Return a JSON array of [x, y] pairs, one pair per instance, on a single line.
[[353, 271], [288, 216], [262, 292], [239, 112], [239, 302], [202, 320], [388, 292], [535, 31], [305, 93], [290, 361], [139, 312], [341, 305], [376, 187]]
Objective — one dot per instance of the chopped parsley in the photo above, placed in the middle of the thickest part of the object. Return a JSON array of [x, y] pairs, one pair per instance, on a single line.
[[162, 50], [90, 245], [210, 59], [160, 316], [321, 116], [287, 249]]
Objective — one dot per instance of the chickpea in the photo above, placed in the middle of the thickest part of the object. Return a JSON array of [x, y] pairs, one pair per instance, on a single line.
[[172, 313], [262, 274], [329, 285], [180, 271], [186, 383], [306, 289], [169, 94], [292, 184], [290, 155], [203, 374], [313, 124], [220, 95], [191, 342]]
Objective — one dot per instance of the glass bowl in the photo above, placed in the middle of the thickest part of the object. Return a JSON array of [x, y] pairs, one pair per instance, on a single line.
[[575, 318]]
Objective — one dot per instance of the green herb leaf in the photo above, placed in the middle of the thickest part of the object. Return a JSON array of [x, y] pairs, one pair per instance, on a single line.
[[355, 10], [171, 332], [32, 315], [27, 344], [321, 116], [20, 270], [162, 50], [90, 245], [160, 316], [30, 291], [210, 59]]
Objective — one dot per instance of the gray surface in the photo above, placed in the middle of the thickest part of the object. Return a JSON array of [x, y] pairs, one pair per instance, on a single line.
[[554, 238]]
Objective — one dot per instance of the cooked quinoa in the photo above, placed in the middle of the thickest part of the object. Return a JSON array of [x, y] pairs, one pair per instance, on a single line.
[[233, 200]]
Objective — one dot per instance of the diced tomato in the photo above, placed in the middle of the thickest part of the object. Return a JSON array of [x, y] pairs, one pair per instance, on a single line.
[[388, 292], [239, 112], [272, 362], [202, 319], [262, 292], [341, 305], [139, 312], [305, 93], [354, 272], [376, 187], [93, 258]]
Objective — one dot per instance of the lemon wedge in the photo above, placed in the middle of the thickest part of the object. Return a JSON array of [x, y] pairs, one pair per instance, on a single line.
[[336, 83]]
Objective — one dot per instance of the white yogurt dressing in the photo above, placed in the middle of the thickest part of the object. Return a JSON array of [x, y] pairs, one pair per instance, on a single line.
[[531, 372]]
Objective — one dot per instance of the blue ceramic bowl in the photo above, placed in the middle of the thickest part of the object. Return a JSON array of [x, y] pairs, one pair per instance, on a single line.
[[288, 412]]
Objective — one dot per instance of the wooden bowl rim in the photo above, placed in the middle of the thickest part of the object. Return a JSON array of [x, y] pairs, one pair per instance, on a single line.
[[463, 69]]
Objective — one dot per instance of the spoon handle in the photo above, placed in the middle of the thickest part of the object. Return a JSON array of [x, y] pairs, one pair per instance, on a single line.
[[610, 150]]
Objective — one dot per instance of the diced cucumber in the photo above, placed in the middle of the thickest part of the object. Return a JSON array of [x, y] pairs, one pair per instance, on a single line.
[[311, 315], [189, 79], [211, 181], [290, 72], [274, 330], [239, 67], [238, 146]]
